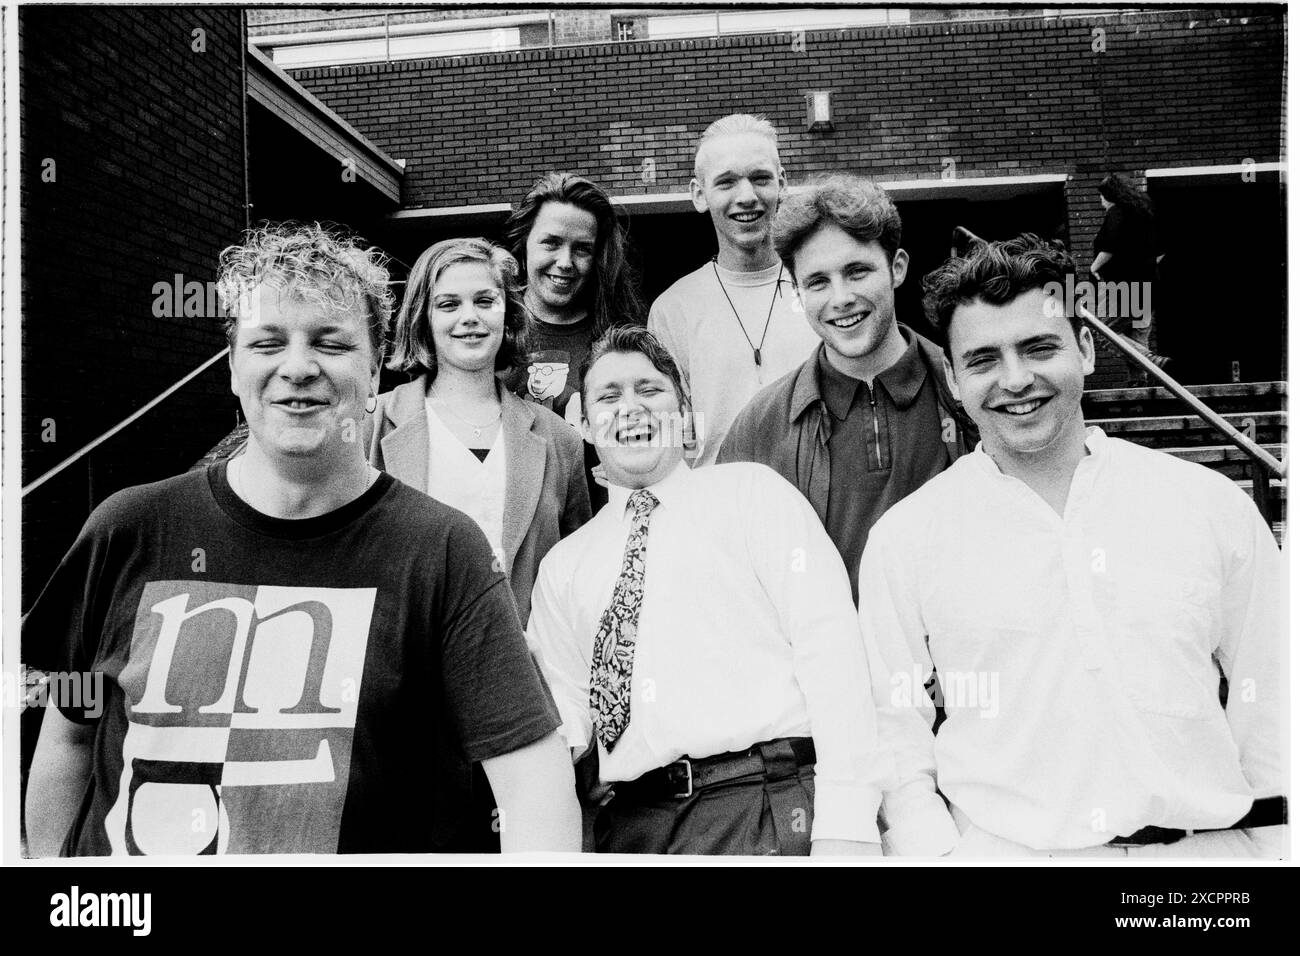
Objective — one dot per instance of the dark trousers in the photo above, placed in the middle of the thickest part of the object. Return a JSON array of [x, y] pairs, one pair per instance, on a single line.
[[758, 815]]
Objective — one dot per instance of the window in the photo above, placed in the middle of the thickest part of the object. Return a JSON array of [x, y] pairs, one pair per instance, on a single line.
[[624, 30]]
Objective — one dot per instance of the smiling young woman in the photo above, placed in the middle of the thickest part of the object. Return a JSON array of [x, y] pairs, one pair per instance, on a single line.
[[455, 432]]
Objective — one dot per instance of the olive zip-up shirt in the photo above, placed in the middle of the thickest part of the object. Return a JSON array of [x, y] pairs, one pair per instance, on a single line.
[[885, 442], [854, 449]]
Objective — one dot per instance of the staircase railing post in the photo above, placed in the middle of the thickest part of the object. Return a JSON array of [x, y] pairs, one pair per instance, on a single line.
[[1259, 477]]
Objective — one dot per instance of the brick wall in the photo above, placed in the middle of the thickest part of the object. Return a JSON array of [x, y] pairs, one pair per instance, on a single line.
[[997, 98], [146, 135], [983, 98]]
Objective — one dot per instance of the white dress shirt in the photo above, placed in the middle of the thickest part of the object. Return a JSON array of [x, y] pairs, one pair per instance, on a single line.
[[459, 479], [1077, 654], [746, 633]]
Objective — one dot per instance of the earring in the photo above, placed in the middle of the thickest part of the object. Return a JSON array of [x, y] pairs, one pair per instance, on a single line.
[[372, 403]]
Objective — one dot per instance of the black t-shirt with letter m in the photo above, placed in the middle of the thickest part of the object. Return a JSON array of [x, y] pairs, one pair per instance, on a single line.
[[320, 685]]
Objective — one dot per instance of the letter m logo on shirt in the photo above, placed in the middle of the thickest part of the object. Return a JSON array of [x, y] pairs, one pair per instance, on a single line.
[[239, 730]]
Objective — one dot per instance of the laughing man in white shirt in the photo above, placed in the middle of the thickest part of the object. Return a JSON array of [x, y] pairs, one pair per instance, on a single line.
[[1076, 596], [699, 632]]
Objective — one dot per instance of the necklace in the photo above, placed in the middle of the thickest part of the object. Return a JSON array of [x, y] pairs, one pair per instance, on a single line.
[[478, 429], [758, 351]]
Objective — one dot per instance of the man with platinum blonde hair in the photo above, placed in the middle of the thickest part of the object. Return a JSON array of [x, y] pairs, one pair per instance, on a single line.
[[301, 654], [734, 324]]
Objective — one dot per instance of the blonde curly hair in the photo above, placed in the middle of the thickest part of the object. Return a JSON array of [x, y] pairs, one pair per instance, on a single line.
[[313, 263]]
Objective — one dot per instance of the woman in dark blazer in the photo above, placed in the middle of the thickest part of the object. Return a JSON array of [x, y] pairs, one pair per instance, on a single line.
[[456, 433]]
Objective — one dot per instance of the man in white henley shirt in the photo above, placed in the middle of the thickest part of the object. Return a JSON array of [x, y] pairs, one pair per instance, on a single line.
[[1076, 596]]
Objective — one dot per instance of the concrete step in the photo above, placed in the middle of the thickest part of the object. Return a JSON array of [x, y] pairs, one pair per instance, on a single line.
[[1228, 459], [1162, 430], [1203, 392], [1213, 454], [1275, 485], [1156, 401]]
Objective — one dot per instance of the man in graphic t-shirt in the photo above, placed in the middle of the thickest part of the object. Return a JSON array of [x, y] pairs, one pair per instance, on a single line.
[[290, 652]]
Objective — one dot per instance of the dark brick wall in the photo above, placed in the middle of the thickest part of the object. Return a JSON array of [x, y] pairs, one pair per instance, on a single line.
[[994, 98], [1002, 97], [148, 143]]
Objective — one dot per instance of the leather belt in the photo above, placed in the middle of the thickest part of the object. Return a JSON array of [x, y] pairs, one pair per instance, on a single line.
[[683, 778], [1270, 811]]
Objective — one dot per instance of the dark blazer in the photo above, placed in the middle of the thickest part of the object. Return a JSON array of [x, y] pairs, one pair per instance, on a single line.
[[546, 484]]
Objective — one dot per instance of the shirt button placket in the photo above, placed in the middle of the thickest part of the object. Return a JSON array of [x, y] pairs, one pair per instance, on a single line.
[[1078, 556]]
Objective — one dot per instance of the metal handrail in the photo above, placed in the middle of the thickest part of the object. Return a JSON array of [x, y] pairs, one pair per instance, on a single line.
[[1220, 424], [1129, 350], [140, 412]]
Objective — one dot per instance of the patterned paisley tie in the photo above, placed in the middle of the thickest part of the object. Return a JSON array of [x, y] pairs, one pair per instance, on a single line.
[[610, 699]]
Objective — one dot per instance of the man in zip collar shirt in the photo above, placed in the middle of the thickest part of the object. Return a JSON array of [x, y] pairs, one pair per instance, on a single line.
[[700, 628], [867, 419], [1077, 597]]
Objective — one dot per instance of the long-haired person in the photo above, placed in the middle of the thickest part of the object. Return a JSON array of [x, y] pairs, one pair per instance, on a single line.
[[456, 433], [289, 652], [567, 237]]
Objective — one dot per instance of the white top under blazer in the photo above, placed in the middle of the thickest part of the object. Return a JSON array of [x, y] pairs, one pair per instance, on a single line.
[[459, 479]]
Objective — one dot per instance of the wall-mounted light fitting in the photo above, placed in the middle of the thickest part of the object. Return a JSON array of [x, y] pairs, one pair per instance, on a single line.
[[819, 109]]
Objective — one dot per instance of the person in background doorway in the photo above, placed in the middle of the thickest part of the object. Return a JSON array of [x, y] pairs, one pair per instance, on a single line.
[[1126, 251]]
